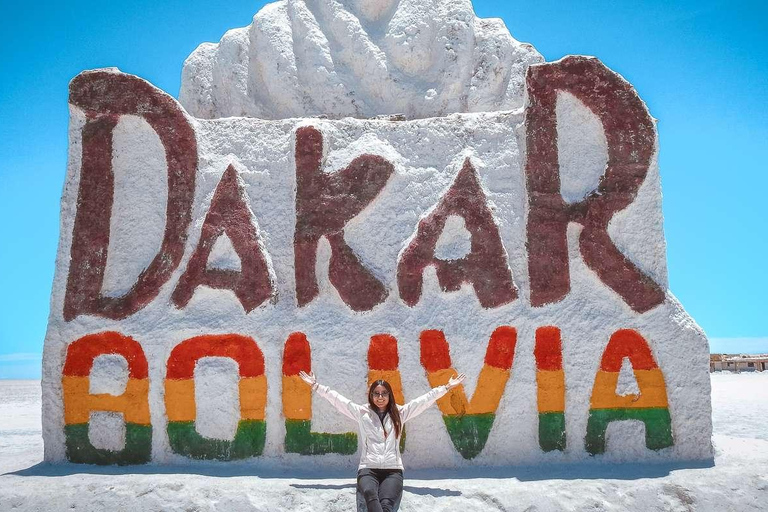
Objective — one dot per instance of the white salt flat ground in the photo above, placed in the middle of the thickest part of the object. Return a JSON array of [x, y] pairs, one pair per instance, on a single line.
[[738, 480]]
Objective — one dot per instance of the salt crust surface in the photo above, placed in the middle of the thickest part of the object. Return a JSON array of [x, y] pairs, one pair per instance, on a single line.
[[106, 430], [358, 58], [109, 375], [216, 397], [627, 384], [455, 241], [427, 155], [141, 192], [223, 255], [582, 159], [738, 480]]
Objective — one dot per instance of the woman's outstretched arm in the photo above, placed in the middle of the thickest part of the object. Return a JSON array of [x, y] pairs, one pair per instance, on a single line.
[[343, 404], [422, 403]]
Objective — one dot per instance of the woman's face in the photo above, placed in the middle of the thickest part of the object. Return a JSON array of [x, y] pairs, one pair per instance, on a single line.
[[380, 397]]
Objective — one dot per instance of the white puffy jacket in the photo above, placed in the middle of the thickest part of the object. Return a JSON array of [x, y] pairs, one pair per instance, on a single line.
[[380, 452]]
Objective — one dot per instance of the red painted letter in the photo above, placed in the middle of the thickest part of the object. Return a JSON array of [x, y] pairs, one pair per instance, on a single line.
[[229, 214], [105, 96], [630, 134], [324, 204], [485, 267]]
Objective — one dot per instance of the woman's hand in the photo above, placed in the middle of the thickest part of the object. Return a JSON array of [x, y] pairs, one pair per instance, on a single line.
[[309, 378], [455, 381]]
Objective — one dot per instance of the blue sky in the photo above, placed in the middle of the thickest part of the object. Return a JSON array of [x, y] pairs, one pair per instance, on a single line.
[[701, 66]]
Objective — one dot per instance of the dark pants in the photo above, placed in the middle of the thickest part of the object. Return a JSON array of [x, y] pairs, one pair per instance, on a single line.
[[381, 488]]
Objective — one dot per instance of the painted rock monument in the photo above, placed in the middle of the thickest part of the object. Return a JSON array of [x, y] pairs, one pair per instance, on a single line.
[[367, 189]]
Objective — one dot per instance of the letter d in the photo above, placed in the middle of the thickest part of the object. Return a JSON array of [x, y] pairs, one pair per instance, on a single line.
[[105, 96]]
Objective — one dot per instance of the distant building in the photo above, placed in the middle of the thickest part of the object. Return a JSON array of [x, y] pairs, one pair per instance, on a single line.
[[738, 362]]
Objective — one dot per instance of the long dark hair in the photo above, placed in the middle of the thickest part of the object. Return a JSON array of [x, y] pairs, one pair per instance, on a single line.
[[391, 406]]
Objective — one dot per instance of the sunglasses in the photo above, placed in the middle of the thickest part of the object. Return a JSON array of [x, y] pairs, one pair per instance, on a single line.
[[380, 395]]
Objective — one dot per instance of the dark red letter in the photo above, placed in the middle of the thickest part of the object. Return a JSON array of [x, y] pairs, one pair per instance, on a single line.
[[485, 267], [229, 214], [325, 202], [105, 96], [630, 133]]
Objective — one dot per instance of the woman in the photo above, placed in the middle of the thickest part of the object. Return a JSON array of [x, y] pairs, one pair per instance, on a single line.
[[380, 423]]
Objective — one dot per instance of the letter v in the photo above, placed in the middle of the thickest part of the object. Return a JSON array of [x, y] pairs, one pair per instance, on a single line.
[[469, 422]]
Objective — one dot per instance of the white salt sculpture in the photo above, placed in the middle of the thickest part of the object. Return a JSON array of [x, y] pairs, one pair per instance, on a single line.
[[487, 122], [351, 58]]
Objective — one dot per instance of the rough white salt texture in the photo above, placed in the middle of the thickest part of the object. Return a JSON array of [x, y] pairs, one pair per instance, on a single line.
[[109, 375], [141, 193], [627, 384], [358, 58], [455, 241], [426, 155], [106, 430], [223, 255], [582, 158], [216, 397]]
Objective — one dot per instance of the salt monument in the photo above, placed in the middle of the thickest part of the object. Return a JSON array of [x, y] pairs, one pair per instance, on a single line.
[[367, 189]]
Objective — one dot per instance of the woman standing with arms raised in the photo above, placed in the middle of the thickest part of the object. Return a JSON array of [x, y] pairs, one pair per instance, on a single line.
[[380, 424]]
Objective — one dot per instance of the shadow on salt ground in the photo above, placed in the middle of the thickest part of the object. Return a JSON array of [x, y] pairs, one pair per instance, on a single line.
[[430, 491], [421, 491], [324, 486], [207, 468], [575, 471]]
